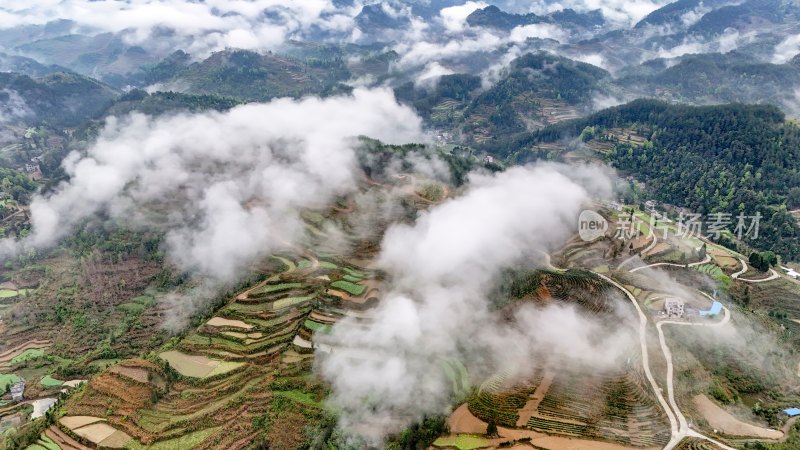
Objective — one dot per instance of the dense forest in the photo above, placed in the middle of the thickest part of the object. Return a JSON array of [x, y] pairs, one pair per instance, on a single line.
[[733, 159]]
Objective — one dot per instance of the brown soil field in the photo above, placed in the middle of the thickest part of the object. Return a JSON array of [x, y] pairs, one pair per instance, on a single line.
[[660, 247], [342, 295], [189, 365], [461, 421], [222, 322], [532, 406], [118, 439], [63, 440], [134, 373], [321, 318], [73, 422], [723, 421], [96, 432]]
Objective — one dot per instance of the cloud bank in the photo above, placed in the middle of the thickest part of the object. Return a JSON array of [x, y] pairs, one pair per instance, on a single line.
[[197, 27], [387, 373], [620, 12], [787, 49], [224, 187]]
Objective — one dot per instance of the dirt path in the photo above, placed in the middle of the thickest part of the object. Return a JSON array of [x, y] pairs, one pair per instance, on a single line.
[[723, 421], [532, 405], [645, 250], [646, 359], [698, 263], [744, 269], [774, 275], [683, 428], [678, 424]]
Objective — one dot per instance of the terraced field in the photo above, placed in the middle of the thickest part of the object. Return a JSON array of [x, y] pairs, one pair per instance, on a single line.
[[499, 401], [696, 444], [576, 401], [615, 407], [237, 376]]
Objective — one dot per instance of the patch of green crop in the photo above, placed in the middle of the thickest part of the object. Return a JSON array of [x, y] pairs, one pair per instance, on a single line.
[[462, 441], [316, 326], [276, 287], [27, 355], [351, 288], [186, 441], [353, 272], [50, 382], [6, 380], [299, 397]]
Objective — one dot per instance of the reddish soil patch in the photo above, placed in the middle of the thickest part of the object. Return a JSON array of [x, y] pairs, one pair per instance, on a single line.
[[134, 373], [461, 421], [723, 421], [532, 405], [63, 440], [321, 318]]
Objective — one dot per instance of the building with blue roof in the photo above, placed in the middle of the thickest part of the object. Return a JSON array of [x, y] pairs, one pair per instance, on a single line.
[[716, 308], [791, 412]]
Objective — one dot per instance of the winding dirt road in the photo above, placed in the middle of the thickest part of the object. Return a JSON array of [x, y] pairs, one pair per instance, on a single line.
[[661, 264], [683, 425], [679, 427]]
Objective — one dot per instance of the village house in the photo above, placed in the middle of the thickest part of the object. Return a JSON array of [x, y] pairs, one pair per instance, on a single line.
[[673, 307]]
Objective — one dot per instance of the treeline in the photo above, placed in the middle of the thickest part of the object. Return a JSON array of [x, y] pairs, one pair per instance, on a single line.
[[732, 159]]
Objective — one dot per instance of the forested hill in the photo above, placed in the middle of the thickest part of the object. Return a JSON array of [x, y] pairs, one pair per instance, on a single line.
[[727, 158]]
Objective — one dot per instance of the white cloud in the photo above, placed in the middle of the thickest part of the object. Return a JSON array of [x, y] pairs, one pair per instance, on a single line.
[[431, 74], [787, 49], [454, 18], [595, 59], [728, 41], [420, 53], [619, 12], [199, 27], [690, 18], [232, 182], [387, 373], [537, 30]]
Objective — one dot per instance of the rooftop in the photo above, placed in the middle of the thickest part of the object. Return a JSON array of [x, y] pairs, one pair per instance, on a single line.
[[716, 307], [792, 412]]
